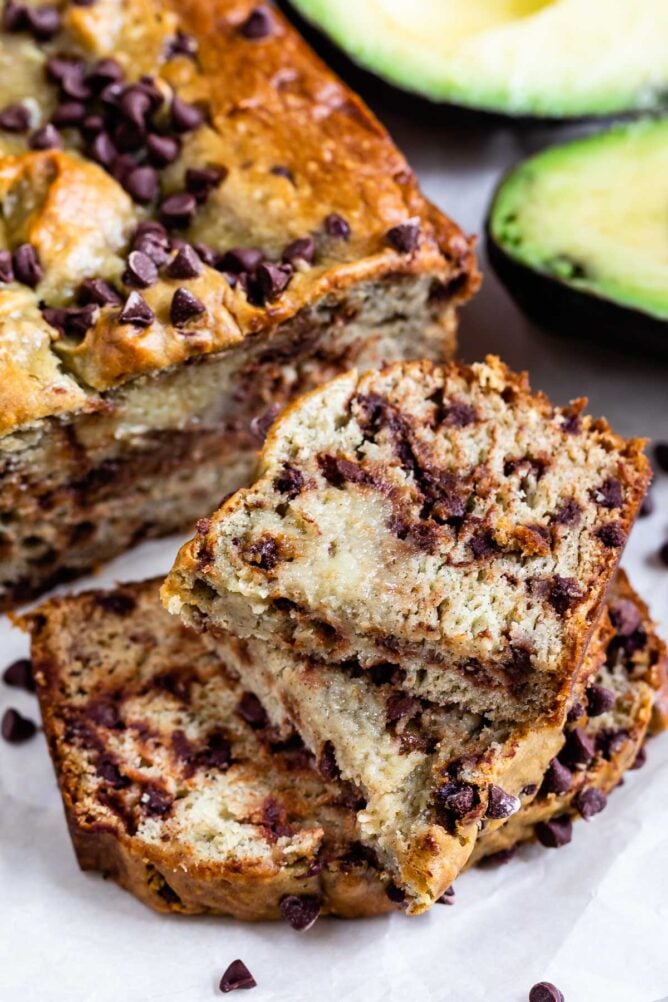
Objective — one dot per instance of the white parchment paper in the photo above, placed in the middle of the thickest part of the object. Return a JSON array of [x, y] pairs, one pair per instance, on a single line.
[[592, 917]]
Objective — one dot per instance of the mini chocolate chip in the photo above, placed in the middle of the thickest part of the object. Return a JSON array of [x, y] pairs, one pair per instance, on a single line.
[[299, 250], [555, 832], [153, 246], [16, 728], [404, 237], [545, 991], [647, 507], [19, 674], [105, 72], [207, 254], [240, 259], [142, 184], [186, 264], [74, 85], [609, 742], [46, 138], [599, 700], [336, 226], [185, 117], [557, 779], [69, 113], [118, 603], [327, 762], [134, 104], [111, 95], [457, 415], [148, 85], [6, 267], [300, 911], [456, 799], [611, 535], [44, 22], [103, 151], [252, 711], [15, 118], [177, 211], [128, 137], [73, 322], [96, 290], [579, 748], [27, 268], [501, 804], [185, 307], [483, 544], [290, 481], [14, 16], [590, 802], [447, 897], [201, 181], [640, 759], [571, 424], [281, 171], [141, 271], [104, 713], [258, 24], [236, 976], [162, 150], [563, 593], [610, 494], [136, 311], [625, 616], [576, 711], [661, 455], [568, 513], [271, 280], [182, 44], [156, 801]]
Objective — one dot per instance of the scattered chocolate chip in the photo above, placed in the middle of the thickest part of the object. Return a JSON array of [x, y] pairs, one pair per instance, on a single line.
[[96, 290], [151, 239], [455, 800], [141, 272], [6, 267], [46, 138], [162, 150], [404, 237], [136, 311], [15, 118], [327, 762], [134, 104], [599, 700], [501, 804], [201, 181], [579, 748], [186, 264], [336, 226], [338, 471], [299, 250], [300, 911], [128, 137], [19, 675], [661, 455], [185, 117], [611, 535], [640, 759], [242, 259], [271, 280], [447, 897], [217, 754], [558, 778], [555, 832], [281, 171], [27, 268], [647, 507], [236, 976], [590, 802], [258, 24], [43, 22], [103, 151], [207, 254], [571, 424], [104, 713], [252, 711], [177, 211], [290, 481], [17, 728], [609, 742], [142, 184], [395, 893], [185, 307], [72, 322], [545, 991]]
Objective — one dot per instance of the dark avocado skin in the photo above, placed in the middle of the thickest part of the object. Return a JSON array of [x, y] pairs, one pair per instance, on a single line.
[[564, 310]]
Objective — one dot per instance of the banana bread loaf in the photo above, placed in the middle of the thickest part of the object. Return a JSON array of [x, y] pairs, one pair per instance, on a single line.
[[199, 220]]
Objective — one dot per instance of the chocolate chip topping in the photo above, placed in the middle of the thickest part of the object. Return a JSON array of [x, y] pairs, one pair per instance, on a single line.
[[201, 181], [555, 832], [454, 800], [579, 748], [300, 911], [104, 72], [46, 138], [289, 481], [136, 311], [6, 267], [27, 268], [185, 117], [590, 802], [258, 24], [162, 150], [447, 897], [141, 272], [186, 264], [558, 778], [17, 728], [609, 742], [252, 711], [545, 991], [299, 250], [177, 211], [72, 322], [501, 804], [142, 184], [103, 151], [611, 535], [185, 307], [69, 113], [404, 237], [599, 700], [336, 226], [236, 976], [14, 118], [271, 280], [42, 22], [151, 238], [96, 290], [19, 675], [242, 259]]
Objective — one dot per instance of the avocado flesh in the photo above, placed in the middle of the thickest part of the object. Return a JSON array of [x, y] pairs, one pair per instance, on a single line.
[[550, 58], [593, 214]]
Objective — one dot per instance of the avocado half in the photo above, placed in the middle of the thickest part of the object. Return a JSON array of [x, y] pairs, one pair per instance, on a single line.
[[541, 58], [579, 236]]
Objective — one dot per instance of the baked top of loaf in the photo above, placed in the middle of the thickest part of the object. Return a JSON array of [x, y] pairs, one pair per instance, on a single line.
[[443, 519], [215, 119], [125, 691]]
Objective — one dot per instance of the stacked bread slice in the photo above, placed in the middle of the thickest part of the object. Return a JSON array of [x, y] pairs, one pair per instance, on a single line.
[[412, 583]]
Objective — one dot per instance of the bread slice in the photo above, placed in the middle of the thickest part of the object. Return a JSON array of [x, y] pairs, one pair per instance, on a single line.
[[443, 519], [137, 710]]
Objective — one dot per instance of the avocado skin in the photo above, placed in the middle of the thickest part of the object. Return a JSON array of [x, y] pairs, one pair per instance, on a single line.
[[565, 310]]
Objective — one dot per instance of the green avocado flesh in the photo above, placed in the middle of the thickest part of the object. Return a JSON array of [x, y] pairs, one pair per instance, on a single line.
[[548, 58], [593, 214]]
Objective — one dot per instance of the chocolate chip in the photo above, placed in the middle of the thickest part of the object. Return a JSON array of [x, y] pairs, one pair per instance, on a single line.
[[108, 770], [569, 513], [72, 322], [563, 593], [201, 181], [16, 728], [128, 137], [610, 494], [207, 254], [299, 250], [599, 700], [404, 237], [625, 616], [104, 713], [185, 307], [43, 22], [96, 290], [142, 184], [456, 415], [252, 711], [111, 95], [576, 711], [281, 171], [557, 779], [242, 259], [141, 272], [501, 804], [186, 264], [185, 117], [336, 226], [327, 762], [663, 554], [14, 17], [177, 211], [70, 113], [661, 455], [182, 44], [545, 991], [236, 976], [260, 425], [151, 238], [400, 705], [103, 151], [447, 897], [46, 138], [483, 544], [27, 268], [640, 759], [136, 311], [590, 802], [499, 858], [338, 471], [609, 742], [6, 267], [14, 118], [156, 801], [134, 104], [105, 72], [555, 832], [217, 754], [289, 481], [579, 748], [571, 424], [647, 507], [19, 675], [162, 150], [611, 535], [258, 24], [455, 800], [395, 893], [300, 911], [271, 280]]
